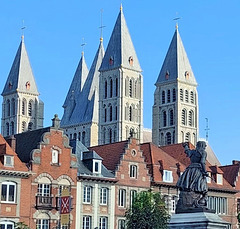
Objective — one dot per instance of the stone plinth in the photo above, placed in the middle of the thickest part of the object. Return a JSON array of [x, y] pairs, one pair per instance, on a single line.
[[197, 220]]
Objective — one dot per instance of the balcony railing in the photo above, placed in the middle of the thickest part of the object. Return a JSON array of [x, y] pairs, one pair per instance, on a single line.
[[44, 202]]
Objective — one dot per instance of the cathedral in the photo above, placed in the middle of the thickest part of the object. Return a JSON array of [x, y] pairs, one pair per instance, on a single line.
[[104, 104]]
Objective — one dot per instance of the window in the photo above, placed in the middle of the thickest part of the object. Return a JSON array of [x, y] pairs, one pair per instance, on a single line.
[[87, 194], [209, 177], [121, 224], [163, 97], [104, 196], [103, 223], [219, 204], [23, 106], [168, 96], [111, 88], [44, 190], [168, 138], [133, 171], [219, 179], [116, 113], [173, 204], [174, 95], [30, 108], [181, 94], [130, 88], [192, 97], [8, 193], [8, 161], [187, 137], [130, 113], [13, 106], [105, 114], [105, 95], [167, 176], [110, 135], [8, 107], [42, 224], [171, 117], [55, 156], [87, 222], [190, 118], [12, 128], [6, 225], [122, 198], [133, 194], [23, 126], [97, 166], [184, 120], [75, 136], [30, 126], [111, 113], [7, 128], [83, 137], [186, 96], [164, 118], [116, 86]]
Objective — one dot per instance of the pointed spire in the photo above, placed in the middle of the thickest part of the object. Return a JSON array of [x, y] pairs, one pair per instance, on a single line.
[[120, 50], [176, 65], [78, 80], [21, 77]]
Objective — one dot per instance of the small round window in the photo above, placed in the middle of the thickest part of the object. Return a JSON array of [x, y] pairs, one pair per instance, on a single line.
[[134, 153]]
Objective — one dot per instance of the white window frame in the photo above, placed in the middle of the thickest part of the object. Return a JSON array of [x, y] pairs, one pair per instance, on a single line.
[[43, 224], [44, 189], [122, 198], [121, 224], [8, 158], [167, 176], [103, 196], [133, 171], [103, 222], [209, 180], [6, 224], [87, 222], [8, 184], [99, 166], [219, 179], [87, 194]]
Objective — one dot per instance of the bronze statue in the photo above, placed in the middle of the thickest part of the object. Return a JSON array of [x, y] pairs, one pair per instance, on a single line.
[[193, 183]]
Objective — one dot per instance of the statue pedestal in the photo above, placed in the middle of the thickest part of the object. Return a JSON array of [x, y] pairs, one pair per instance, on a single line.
[[197, 220]]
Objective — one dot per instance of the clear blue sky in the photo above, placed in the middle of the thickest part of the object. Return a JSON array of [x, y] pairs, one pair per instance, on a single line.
[[210, 31]]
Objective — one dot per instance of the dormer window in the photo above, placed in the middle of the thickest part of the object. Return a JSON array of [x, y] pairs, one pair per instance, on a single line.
[[209, 178], [167, 176], [97, 164], [219, 179], [8, 161]]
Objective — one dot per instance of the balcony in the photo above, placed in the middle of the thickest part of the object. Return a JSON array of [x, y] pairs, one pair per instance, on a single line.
[[44, 202]]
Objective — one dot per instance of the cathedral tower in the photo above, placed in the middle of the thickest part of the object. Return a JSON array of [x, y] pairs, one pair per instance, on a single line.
[[120, 88], [22, 110], [175, 109]]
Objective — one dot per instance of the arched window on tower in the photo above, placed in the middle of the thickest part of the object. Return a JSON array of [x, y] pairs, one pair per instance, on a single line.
[[111, 113], [131, 132], [111, 88], [105, 114], [163, 97], [168, 96], [24, 107], [190, 118], [30, 108], [186, 96], [13, 106], [130, 88], [30, 126], [8, 107], [83, 137], [104, 135], [184, 117], [164, 118], [174, 95], [110, 135], [187, 137], [171, 117], [192, 97], [116, 113], [130, 113], [168, 138], [181, 94], [182, 134], [116, 87], [12, 128], [7, 128], [105, 89], [75, 136], [79, 136], [23, 126]]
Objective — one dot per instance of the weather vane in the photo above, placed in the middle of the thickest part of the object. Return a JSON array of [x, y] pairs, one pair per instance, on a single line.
[[102, 26]]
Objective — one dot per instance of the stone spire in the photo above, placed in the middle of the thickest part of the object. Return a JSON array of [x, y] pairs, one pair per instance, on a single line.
[[176, 65], [78, 81], [20, 78], [120, 51]]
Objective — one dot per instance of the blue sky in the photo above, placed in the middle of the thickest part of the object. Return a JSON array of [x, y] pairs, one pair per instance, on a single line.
[[209, 30]]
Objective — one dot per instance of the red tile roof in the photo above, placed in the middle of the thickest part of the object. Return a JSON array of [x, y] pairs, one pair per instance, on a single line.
[[230, 173]]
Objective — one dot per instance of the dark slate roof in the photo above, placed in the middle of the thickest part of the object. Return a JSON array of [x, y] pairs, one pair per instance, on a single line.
[[89, 155], [176, 63], [27, 141], [84, 105], [78, 80], [120, 48], [20, 74]]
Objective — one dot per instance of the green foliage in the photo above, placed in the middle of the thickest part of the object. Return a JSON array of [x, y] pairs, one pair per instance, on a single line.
[[21, 225], [147, 212]]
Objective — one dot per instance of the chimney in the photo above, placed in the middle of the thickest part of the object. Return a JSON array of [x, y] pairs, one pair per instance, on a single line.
[[234, 162], [11, 140], [56, 122]]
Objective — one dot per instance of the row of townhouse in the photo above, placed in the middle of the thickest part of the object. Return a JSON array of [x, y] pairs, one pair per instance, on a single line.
[[47, 181]]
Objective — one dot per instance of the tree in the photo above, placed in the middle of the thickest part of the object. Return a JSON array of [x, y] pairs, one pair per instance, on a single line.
[[21, 225], [147, 212]]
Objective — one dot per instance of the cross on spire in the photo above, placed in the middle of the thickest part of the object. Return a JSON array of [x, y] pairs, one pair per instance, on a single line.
[[82, 45], [22, 28], [207, 129], [102, 26], [176, 19]]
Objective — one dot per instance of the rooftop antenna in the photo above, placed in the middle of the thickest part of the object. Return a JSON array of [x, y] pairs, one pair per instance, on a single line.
[[22, 28], [176, 19], [82, 45], [102, 26], [207, 129]]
